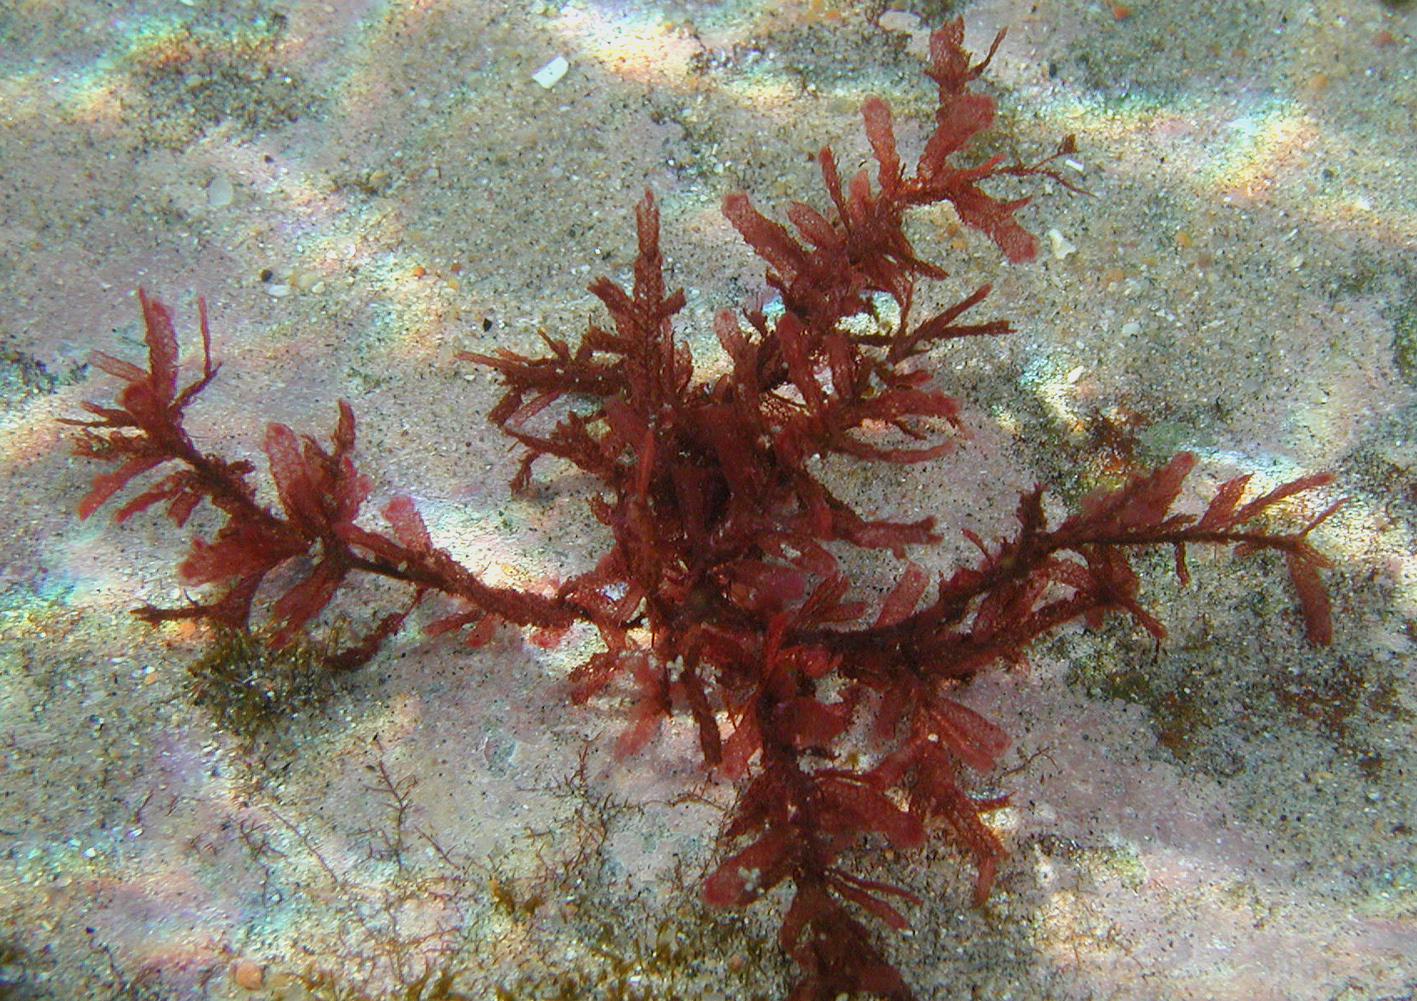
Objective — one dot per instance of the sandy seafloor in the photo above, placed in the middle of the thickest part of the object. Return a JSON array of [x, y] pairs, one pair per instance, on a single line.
[[361, 189]]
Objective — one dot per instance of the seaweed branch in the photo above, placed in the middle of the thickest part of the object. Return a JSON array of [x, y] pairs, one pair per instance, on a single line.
[[722, 595]]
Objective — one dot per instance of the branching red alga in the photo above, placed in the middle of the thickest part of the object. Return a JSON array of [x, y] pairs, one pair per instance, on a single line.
[[722, 596]]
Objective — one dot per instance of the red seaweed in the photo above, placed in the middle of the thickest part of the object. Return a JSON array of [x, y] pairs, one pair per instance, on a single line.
[[722, 596]]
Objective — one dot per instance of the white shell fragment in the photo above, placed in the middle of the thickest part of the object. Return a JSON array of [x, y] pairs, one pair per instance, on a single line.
[[1061, 245], [550, 74], [219, 191]]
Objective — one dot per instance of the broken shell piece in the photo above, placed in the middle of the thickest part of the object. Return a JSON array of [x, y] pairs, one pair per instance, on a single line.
[[550, 74], [219, 191], [1061, 245]]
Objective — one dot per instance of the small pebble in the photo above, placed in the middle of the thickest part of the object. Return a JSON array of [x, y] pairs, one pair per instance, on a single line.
[[306, 281], [248, 974], [900, 21]]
